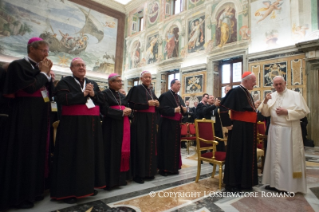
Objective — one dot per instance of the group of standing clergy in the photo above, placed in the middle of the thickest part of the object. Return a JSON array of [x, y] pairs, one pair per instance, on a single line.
[[139, 133]]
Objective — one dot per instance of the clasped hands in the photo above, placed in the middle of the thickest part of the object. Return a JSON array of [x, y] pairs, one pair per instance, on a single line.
[[178, 109], [89, 90], [153, 103], [127, 111], [45, 66]]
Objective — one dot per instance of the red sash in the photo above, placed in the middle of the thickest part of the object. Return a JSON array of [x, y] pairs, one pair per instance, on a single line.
[[176, 117], [80, 110], [22, 93], [151, 109], [246, 116], [125, 152]]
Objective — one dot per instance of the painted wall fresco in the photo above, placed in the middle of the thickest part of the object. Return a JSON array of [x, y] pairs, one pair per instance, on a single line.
[[269, 21], [194, 3], [172, 42], [72, 31], [151, 55], [196, 34], [135, 54], [153, 13], [226, 31]]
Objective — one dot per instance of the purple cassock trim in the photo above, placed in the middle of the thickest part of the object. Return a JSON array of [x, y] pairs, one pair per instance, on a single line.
[[125, 151]]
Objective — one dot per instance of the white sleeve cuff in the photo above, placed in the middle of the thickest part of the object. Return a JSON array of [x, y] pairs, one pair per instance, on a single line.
[[48, 77]]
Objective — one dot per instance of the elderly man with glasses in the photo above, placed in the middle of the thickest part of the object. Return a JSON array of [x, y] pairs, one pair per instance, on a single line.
[[78, 163]]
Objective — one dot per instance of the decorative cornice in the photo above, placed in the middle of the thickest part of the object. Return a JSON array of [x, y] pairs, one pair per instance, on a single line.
[[194, 67], [132, 5], [112, 4], [308, 45], [227, 54], [281, 52]]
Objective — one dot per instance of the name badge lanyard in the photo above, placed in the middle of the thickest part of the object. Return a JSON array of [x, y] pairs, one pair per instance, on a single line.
[[118, 102], [150, 94], [89, 102]]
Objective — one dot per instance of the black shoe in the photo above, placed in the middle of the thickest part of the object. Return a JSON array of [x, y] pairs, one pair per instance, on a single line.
[[247, 188], [39, 198], [124, 183], [163, 173], [174, 173], [233, 189], [25, 205], [149, 178], [71, 200], [138, 180], [270, 188], [95, 193]]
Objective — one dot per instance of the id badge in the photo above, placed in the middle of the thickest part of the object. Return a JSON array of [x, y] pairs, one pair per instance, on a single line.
[[89, 103], [54, 106], [189, 116], [213, 118], [45, 95]]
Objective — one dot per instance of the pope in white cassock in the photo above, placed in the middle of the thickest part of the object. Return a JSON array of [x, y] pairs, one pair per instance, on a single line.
[[285, 161]]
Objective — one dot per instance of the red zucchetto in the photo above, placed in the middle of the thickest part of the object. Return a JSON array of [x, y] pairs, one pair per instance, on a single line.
[[245, 74]]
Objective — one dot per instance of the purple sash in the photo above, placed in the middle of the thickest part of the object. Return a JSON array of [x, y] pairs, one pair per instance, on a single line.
[[125, 152]]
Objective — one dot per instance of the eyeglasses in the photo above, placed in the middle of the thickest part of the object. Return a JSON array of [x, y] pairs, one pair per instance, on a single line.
[[117, 81], [44, 50], [80, 65]]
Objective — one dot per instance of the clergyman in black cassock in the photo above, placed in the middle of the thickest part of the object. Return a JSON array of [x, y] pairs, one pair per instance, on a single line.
[[143, 129], [210, 111], [171, 109], [26, 145], [241, 161], [116, 133], [78, 163]]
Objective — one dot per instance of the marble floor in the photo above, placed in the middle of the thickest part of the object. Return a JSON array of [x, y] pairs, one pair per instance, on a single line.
[[181, 193]]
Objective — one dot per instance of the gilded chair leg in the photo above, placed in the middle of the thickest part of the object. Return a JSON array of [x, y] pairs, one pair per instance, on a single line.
[[198, 170], [187, 146], [220, 176], [214, 171]]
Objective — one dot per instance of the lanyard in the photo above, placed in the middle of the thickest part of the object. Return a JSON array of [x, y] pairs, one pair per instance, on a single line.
[[119, 103], [148, 92], [28, 60], [84, 84], [177, 102]]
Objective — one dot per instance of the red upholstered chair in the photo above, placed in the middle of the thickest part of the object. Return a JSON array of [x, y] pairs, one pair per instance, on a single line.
[[261, 137], [206, 140], [186, 135], [261, 134]]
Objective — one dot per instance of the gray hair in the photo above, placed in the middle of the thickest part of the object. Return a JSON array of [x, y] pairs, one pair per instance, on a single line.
[[280, 77], [247, 77], [36, 44], [111, 79]]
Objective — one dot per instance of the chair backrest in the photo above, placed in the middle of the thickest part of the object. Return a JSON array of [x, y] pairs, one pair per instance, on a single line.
[[261, 128], [204, 130], [184, 130], [192, 129]]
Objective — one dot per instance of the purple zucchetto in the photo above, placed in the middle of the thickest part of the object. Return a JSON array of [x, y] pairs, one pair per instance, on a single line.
[[34, 39], [145, 72], [113, 76], [76, 58]]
